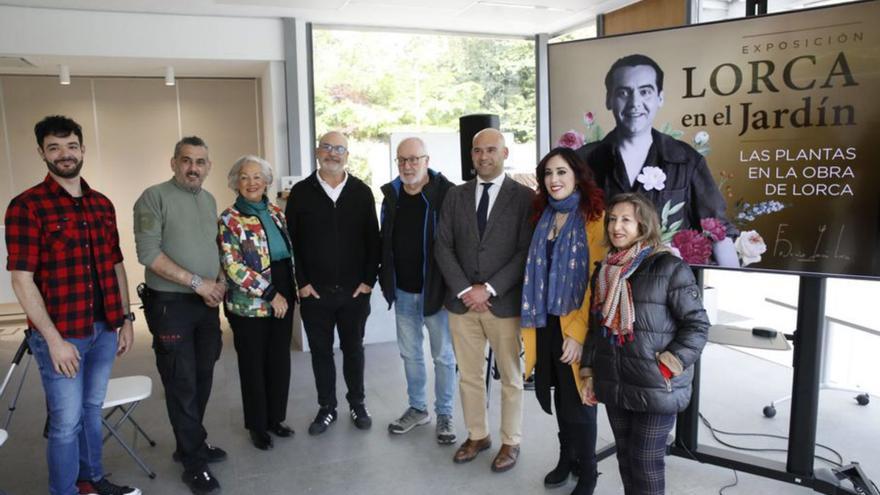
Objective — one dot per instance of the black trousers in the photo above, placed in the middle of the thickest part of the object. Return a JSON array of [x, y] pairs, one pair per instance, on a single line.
[[263, 349], [187, 343], [336, 309], [576, 421]]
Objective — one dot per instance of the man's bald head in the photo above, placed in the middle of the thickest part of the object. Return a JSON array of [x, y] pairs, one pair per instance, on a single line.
[[488, 153], [489, 133], [412, 144]]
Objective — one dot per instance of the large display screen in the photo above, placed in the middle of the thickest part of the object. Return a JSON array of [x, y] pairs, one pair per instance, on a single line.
[[760, 146]]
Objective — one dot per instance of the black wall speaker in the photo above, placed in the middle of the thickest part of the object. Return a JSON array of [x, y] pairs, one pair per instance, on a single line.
[[468, 127]]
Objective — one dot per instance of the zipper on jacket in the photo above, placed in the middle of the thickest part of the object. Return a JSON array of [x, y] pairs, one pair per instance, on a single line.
[[425, 245]]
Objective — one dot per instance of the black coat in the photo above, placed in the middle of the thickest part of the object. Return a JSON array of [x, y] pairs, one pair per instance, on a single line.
[[669, 316], [433, 288], [335, 246], [688, 179]]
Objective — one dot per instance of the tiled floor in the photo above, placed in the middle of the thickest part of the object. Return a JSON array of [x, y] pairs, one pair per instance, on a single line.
[[345, 460]]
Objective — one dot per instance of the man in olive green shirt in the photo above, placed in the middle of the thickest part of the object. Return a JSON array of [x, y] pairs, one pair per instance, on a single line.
[[175, 225]]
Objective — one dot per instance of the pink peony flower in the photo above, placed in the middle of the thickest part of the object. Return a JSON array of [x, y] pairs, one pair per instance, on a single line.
[[588, 119], [695, 248], [571, 139], [713, 228]]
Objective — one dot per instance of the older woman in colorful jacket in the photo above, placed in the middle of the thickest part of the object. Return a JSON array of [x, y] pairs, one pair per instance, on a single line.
[[567, 241], [257, 259]]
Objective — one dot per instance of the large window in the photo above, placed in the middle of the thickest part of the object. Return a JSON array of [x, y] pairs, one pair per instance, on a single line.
[[719, 10], [372, 85]]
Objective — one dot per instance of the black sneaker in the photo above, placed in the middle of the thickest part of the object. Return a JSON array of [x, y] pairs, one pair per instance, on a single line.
[[215, 454], [201, 482], [104, 487], [361, 417], [326, 416]]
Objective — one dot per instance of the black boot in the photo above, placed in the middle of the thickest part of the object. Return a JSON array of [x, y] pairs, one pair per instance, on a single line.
[[587, 481], [559, 475]]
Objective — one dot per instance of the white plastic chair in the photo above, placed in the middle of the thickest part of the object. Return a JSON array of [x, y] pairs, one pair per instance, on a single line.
[[125, 394]]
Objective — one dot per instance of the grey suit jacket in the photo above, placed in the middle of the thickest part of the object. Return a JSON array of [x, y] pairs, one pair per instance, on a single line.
[[499, 258]]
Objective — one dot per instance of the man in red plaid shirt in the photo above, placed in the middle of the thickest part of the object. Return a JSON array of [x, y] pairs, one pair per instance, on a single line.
[[68, 275]]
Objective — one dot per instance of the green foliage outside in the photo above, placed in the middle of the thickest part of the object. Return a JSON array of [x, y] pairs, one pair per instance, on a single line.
[[370, 84]]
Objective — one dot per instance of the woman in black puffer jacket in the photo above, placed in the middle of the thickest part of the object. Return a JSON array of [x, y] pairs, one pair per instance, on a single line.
[[647, 328]]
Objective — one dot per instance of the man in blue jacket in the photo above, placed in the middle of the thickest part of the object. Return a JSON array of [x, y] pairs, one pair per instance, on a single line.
[[412, 282]]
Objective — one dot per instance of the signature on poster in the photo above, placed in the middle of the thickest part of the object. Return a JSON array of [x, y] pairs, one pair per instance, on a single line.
[[827, 245]]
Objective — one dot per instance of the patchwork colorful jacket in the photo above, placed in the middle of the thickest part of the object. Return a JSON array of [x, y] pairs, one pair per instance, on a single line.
[[244, 248]]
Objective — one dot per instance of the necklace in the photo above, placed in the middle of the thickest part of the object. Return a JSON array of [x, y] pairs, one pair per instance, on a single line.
[[558, 222]]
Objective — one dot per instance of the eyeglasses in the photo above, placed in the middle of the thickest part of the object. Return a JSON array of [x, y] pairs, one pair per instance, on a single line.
[[338, 149], [414, 160]]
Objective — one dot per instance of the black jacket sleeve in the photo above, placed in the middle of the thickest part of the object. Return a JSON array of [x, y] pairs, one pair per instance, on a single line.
[[290, 211], [372, 242], [686, 307]]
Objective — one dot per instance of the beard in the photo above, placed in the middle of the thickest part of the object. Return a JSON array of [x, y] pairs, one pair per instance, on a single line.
[[413, 180], [64, 173], [332, 166]]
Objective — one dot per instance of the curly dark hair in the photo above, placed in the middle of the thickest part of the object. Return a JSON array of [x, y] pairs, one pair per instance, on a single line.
[[592, 203], [58, 126]]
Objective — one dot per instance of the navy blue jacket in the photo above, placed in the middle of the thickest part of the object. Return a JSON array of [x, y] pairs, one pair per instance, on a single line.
[[433, 194]]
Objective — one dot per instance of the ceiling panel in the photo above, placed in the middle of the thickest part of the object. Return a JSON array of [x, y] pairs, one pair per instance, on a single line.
[[288, 4], [513, 17], [451, 15]]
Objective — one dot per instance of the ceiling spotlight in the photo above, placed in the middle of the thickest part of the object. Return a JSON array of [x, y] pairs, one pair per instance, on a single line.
[[169, 76], [64, 75]]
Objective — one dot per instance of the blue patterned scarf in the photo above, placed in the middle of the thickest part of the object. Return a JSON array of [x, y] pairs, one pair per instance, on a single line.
[[557, 289]]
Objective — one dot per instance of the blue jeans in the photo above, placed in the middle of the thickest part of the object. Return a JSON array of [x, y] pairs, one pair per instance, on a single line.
[[75, 404], [408, 309]]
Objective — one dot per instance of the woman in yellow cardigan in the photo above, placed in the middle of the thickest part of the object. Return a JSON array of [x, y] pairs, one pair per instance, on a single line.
[[568, 213]]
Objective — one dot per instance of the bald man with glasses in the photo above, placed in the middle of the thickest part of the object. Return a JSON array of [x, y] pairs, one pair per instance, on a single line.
[[331, 216], [412, 283]]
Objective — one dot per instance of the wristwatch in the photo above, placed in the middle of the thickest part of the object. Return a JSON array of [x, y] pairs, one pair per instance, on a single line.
[[195, 282], [129, 316]]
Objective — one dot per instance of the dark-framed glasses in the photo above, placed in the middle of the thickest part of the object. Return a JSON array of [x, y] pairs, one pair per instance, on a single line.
[[338, 149], [412, 160]]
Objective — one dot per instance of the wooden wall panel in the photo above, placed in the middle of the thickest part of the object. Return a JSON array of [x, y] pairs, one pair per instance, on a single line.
[[646, 15], [7, 192], [137, 124], [223, 113], [130, 126], [26, 101]]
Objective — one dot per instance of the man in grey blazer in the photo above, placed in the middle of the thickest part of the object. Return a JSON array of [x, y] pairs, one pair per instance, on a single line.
[[481, 248]]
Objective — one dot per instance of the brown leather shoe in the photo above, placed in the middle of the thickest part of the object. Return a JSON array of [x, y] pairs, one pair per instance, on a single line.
[[470, 448], [506, 458]]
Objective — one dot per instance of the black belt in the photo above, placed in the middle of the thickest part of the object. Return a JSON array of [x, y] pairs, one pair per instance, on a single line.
[[162, 296]]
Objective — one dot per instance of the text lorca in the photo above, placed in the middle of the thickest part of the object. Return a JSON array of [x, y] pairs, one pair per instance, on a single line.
[[761, 76]]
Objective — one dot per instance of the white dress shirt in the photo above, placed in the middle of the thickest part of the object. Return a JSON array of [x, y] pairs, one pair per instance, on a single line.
[[493, 192], [331, 191]]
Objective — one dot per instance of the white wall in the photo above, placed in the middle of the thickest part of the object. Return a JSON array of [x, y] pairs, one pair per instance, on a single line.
[[34, 31]]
